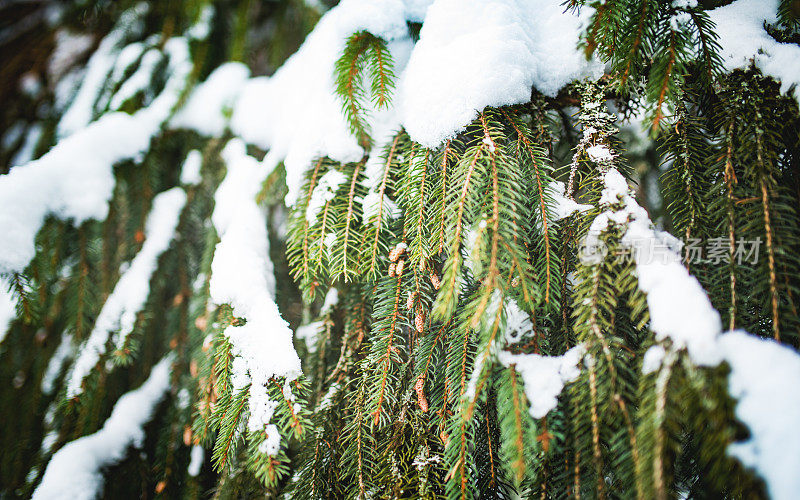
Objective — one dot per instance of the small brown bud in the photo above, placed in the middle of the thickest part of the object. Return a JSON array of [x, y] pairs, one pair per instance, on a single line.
[[419, 387], [193, 368], [397, 251], [419, 321], [391, 270], [435, 281], [399, 269], [410, 302], [187, 435], [201, 322], [139, 236], [160, 486]]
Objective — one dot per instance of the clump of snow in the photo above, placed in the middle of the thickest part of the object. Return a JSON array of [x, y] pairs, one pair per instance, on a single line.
[[518, 322], [331, 300], [477, 53], [64, 351], [652, 358], [196, 457], [763, 378], [302, 93], [563, 207], [202, 28], [69, 47], [308, 334], [323, 193], [207, 109], [139, 80], [241, 276], [544, 376], [76, 470], [80, 112], [679, 307], [190, 171], [75, 180], [742, 37], [118, 315], [599, 153], [25, 153], [763, 371], [272, 443]]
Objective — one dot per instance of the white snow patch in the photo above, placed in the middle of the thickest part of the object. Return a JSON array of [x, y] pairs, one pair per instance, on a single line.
[[64, 351], [118, 315], [75, 471], [477, 53], [563, 206], [139, 80], [763, 378], [323, 193], [241, 275], [544, 376], [740, 27], [308, 334], [652, 358], [208, 108], [196, 457], [190, 171], [75, 180], [81, 111]]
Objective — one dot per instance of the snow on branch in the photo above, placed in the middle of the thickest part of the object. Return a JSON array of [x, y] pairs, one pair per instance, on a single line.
[[118, 315], [477, 53], [764, 373], [75, 179], [744, 40], [242, 276], [75, 471]]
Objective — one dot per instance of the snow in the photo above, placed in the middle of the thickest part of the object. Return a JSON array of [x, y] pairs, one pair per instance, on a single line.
[[75, 471], [652, 358], [544, 376], [599, 153], [323, 193], [272, 443], [26, 152], [139, 81], [477, 53], [81, 111], [75, 179], [563, 206], [196, 457], [763, 378], [64, 351], [679, 307], [763, 372], [190, 171], [308, 334], [331, 300], [117, 318], [740, 27], [241, 275], [207, 108], [69, 47], [301, 93]]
